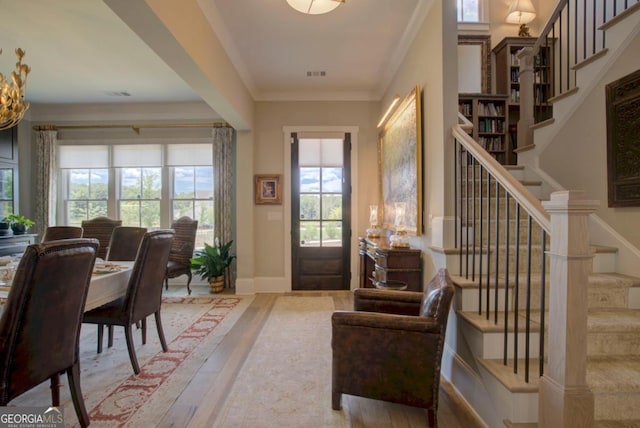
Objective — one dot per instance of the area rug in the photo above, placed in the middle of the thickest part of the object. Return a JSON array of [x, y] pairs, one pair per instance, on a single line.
[[286, 378], [114, 396]]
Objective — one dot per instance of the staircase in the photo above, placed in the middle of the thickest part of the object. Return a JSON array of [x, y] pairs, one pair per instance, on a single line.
[[501, 345], [613, 341]]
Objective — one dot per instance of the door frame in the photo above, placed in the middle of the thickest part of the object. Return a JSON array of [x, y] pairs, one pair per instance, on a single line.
[[355, 226]]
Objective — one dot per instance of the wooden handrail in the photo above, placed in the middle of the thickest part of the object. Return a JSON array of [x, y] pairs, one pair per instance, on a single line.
[[516, 189], [550, 23]]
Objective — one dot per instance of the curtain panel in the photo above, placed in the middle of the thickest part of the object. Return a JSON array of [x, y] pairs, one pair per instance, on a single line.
[[45, 206], [223, 188]]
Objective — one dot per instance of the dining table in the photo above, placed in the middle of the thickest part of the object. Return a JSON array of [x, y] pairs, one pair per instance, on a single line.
[[108, 282]]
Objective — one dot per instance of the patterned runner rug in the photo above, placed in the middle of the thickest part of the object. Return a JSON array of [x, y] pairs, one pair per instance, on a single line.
[[286, 379], [114, 397]]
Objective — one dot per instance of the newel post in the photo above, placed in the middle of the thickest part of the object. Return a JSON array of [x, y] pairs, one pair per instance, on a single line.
[[565, 400], [525, 131]]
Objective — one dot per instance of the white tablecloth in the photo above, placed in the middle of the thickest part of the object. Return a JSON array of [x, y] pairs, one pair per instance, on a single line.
[[103, 288], [108, 286]]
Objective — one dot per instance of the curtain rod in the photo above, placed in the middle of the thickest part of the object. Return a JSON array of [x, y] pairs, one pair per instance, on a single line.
[[135, 127]]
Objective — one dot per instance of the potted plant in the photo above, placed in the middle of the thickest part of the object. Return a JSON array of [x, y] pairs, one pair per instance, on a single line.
[[210, 263], [5, 225], [19, 223]]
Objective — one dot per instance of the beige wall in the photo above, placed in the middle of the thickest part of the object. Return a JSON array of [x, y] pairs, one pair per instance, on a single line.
[[270, 118], [583, 144], [432, 63]]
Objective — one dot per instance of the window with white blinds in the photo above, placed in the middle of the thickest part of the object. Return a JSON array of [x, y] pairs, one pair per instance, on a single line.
[[147, 185]]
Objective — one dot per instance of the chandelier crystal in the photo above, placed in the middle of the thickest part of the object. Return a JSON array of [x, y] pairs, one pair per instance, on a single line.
[[12, 103]]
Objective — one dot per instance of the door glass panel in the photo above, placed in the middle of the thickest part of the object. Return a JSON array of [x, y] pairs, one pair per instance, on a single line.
[[331, 207], [332, 234], [309, 207], [332, 180], [309, 180], [309, 233]]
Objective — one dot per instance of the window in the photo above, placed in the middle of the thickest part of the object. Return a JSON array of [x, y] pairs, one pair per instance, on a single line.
[[193, 197], [85, 176], [470, 10], [140, 192], [191, 179], [146, 185], [6, 192], [88, 192]]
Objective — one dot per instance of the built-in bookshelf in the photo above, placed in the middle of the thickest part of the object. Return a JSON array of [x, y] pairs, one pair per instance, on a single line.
[[488, 113], [508, 79]]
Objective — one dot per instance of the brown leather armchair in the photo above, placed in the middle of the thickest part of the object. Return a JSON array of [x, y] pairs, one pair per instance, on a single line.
[[390, 347]]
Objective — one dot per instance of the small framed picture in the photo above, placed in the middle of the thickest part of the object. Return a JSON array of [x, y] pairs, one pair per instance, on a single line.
[[268, 189]]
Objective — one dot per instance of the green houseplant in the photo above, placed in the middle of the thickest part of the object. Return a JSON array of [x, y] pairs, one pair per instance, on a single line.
[[210, 263], [19, 224]]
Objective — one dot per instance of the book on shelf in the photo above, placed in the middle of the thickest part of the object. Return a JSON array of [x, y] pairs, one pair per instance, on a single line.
[[465, 108], [490, 109], [515, 95], [515, 61]]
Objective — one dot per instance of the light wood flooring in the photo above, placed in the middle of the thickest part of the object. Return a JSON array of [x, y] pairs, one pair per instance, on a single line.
[[203, 398]]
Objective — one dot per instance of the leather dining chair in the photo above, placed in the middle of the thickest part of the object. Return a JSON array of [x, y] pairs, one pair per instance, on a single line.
[[100, 228], [390, 347], [124, 243], [143, 296], [182, 250], [40, 324], [53, 233]]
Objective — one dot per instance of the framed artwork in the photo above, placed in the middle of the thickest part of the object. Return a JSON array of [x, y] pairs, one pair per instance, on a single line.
[[474, 59], [268, 189], [623, 141], [400, 163]]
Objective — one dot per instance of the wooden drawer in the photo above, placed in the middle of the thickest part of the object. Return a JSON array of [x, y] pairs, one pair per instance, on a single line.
[[398, 259]]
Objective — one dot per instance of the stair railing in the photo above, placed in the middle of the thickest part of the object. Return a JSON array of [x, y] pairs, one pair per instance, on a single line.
[[575, 31], [491, 208]]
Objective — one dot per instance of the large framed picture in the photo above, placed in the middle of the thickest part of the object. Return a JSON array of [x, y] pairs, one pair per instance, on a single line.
[[268, 189], [400, 162]]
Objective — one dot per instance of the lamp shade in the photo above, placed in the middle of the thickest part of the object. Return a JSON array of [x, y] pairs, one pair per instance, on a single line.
[[521, 12], [314, 7]]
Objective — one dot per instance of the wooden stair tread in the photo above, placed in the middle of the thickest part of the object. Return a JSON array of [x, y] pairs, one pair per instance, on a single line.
[[602, 249], [514, 382], [509, 424], [481, 323]]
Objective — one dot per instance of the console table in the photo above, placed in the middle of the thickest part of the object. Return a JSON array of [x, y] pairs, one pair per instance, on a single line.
[[16, 244], [379, 262]]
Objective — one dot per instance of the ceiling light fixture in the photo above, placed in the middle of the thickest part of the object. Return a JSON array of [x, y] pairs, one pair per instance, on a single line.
[[314, 7], [521, 12], [12, 102]]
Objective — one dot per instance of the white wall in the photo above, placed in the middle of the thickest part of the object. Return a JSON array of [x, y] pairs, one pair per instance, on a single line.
[[270, 119], [583, 142], [431, 62]]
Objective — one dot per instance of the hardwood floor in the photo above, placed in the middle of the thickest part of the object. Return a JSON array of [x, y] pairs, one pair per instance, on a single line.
[[204, 396]]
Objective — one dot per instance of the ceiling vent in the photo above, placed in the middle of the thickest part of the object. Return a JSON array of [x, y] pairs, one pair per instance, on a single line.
[[118, 93], [316, 73]]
